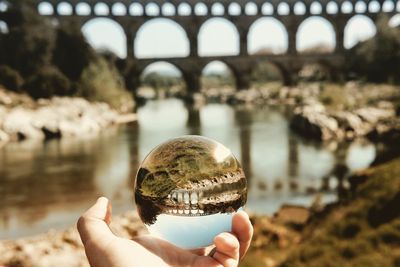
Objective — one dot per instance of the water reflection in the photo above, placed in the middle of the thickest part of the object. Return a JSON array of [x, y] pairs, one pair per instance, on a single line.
[[48, 185]]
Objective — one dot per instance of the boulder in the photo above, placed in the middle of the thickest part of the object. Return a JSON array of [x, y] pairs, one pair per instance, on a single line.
[[18, 124]]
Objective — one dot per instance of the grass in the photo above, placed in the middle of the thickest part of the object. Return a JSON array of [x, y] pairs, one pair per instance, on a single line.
[[364, 231]]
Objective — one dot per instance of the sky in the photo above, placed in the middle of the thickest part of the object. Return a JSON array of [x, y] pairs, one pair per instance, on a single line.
[[161, 37]]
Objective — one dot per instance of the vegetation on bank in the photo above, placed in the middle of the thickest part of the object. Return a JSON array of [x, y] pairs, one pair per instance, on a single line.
[[361, 230], [44, 60]]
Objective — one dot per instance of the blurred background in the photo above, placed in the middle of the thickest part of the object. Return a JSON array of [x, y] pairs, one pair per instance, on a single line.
[[305, 93]]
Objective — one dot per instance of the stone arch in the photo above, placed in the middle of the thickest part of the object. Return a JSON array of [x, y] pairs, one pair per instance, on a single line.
[[271, 26], [283, 9], [184, 9], [168, 9], [352, 35], [299, 8], [119, 9], [65, 9], [136, 9], [315, 8], [306, 38], [161, 37], [101, 9], [346, 7], [267, 9], [110, 32], [217, 9], [388, 6], [3, 27], [374, 6], [360, 7], [234, 9], [332, 8], [218, 36], [83, 9], [251, 9], [395, 21], [170, 75], [221, 70], [4, 6], [45, 8], [200, 9], [152, 9]]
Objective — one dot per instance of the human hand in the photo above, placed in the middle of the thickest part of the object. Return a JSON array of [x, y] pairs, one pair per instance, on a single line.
[[104, 249]]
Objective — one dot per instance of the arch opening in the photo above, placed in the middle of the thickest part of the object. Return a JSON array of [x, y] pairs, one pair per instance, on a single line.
[[267, 36], [105, 34], [44, 8], [234, 9], [218, 36], [152, 9], [161, 37], [217, 76], [388, 6], [200, 9], [3, 27], [251, 9], [83, 9], [64, 9], [347, 7], [184, 9], [119, 9], [136, 9], [299, 8], [374, 6], [267, 9], [217, 9], [309, 42], [332, 8], [359, 28], [283, 9], [395, 21], [315, 8], [360, 7], [4, 6], [168, 9], [160, 80], [101, 9]]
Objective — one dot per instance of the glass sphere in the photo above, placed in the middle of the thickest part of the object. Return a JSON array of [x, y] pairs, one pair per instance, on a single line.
[[187, 190]]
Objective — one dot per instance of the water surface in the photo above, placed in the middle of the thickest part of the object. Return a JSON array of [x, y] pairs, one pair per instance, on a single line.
[[49, 185]]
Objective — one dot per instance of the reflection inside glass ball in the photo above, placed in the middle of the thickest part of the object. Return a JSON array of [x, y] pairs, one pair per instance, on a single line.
[[187, 190]]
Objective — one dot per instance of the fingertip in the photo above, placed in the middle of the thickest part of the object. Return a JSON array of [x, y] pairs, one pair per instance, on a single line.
[[226, 243]]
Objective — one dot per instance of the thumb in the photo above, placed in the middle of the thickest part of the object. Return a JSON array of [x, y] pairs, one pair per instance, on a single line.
[[93, 224]]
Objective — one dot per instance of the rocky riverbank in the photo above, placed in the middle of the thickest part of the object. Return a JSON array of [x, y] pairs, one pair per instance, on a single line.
[[326, 112], [23, 118]]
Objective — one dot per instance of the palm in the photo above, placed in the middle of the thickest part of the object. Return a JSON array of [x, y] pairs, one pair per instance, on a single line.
[[105, 249]]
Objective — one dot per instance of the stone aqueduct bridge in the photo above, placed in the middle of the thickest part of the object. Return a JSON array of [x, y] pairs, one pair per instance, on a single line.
[[334, 11]]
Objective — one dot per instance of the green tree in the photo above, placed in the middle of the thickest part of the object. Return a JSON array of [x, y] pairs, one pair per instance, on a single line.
[[378, 59], [72, 54], [30, 40]]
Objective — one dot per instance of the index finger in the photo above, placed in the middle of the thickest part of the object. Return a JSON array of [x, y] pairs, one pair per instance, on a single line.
[[243, 230]]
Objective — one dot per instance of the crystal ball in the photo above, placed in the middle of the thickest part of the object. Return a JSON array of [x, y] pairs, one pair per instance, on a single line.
[[187, 190]]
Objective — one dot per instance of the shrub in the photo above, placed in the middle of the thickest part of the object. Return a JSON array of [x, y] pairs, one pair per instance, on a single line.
[[48, 82], [72, 54], [378, 59], [10, 78], [100, 81]]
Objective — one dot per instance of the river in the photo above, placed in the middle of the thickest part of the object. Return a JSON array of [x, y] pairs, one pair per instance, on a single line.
[[48, 185]]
